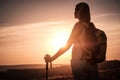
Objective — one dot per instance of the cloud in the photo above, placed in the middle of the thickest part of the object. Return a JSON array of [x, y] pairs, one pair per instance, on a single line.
[[25, 32], [106, 14]]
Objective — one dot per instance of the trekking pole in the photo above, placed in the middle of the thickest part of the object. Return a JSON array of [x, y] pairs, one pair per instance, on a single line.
[[47, 65], [46, 70]]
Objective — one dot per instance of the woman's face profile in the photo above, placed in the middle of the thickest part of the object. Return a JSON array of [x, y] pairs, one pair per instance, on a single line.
[[76, 14]]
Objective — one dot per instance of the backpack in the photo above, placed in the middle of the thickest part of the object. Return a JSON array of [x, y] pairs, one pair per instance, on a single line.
[[90, 43]]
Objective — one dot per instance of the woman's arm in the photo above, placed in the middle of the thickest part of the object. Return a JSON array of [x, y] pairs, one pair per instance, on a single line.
[[70, 41]]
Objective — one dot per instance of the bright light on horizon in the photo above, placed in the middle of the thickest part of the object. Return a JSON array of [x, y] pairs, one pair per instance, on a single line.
[[59, 40]]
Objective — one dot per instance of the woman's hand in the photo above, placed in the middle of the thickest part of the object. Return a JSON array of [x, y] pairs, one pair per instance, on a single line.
[[47, 58]]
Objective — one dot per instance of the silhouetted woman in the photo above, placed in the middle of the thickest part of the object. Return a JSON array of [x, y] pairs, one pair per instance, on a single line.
[[81, 69]]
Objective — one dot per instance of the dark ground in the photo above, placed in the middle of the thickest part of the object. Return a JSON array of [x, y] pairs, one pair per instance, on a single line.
[[109, 70]]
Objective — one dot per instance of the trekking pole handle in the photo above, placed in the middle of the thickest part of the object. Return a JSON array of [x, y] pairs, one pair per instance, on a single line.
[[46, 58]]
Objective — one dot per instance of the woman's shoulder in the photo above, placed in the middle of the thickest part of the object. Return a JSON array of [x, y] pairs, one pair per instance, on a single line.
[[78, 25]]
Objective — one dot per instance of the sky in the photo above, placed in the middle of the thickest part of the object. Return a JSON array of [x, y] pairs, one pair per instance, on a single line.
[[29, 29]]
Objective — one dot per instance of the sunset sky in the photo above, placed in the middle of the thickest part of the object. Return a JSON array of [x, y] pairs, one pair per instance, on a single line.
[[29, 29]]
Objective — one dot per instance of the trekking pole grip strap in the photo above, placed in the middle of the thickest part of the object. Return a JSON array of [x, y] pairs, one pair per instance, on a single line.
[[50, 65]]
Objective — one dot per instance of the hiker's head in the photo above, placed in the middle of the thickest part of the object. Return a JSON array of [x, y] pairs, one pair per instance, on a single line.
[[82, 12]]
